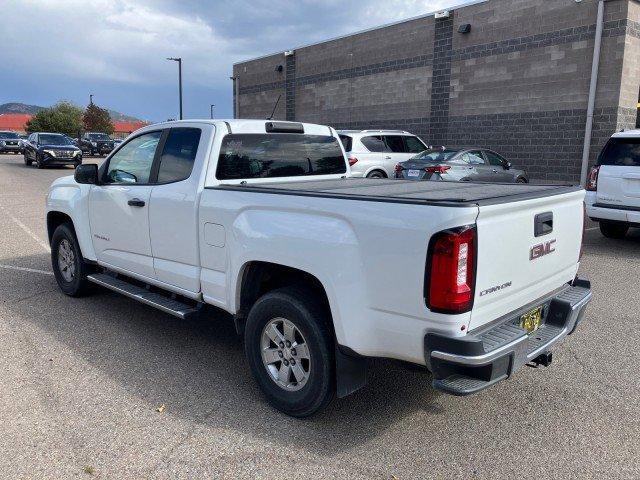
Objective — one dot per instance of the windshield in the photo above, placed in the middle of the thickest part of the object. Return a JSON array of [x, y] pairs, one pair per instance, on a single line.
[[52, 139], [8, 135], [435, 155], [99, 136], [621, 152]]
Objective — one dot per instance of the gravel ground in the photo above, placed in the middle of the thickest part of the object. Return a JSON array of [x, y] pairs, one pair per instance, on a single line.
[[81, 381]]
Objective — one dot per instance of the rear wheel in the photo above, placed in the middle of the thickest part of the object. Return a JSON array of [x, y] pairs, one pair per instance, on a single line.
[[520, 180], [614, 229], [376, 174], [289, 347], [69, 266]]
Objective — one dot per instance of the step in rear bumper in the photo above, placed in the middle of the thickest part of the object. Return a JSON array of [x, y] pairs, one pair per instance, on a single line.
[[465, 365]]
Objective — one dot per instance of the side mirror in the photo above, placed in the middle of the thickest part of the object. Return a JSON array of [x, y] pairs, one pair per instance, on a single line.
[[87, 174], [507, 165]]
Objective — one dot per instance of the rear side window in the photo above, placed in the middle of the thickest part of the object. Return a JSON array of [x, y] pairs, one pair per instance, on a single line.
[[347, 142], [178, 155], [373, 144], [414, 145], [621, 152], [279, 155], [495, 159], [395, 143]]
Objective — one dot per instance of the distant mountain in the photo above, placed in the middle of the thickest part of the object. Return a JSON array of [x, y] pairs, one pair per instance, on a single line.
[[15, 107]]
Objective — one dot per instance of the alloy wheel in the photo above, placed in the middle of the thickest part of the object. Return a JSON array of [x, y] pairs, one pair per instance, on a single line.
[[66, 261], [285, 354]]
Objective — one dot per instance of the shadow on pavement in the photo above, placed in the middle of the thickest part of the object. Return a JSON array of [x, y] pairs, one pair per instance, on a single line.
[[198, 370]]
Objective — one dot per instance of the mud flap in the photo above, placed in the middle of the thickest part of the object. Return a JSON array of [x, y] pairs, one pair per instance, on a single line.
[[351, 372]]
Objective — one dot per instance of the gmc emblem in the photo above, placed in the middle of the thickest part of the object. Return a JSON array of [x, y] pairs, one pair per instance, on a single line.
[[542, 249]]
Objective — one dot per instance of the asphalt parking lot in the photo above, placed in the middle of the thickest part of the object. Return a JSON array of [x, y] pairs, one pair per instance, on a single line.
[[82, 380]]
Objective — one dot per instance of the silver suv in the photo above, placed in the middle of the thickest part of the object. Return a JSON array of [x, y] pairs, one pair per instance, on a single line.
[[375, 153]]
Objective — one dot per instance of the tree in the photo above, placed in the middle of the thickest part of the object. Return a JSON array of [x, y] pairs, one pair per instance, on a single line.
[[96, 119], [63, 117]]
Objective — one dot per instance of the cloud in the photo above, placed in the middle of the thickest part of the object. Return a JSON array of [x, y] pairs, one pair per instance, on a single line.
[[65, 48]]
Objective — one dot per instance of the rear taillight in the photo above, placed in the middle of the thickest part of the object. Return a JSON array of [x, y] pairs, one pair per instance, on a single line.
[[451, 267], [352, 160], [592, 179], [437, 169]]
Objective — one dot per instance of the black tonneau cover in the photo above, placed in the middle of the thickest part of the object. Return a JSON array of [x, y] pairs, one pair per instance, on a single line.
[[407, 191]]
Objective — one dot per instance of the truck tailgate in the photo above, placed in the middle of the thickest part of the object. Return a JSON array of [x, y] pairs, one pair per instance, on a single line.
[[514, 266]]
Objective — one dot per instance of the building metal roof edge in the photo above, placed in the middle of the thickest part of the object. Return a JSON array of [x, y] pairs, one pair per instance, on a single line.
[[379, 27]]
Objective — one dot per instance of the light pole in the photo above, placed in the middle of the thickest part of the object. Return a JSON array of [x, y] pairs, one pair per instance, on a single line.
[[179, 60], [90, 99], [212, 105], [236, 92]]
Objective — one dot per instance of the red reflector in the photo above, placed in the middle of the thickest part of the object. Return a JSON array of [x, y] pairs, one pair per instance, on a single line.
[[437, 169], [592, 179], [451, 265], [352, 160]]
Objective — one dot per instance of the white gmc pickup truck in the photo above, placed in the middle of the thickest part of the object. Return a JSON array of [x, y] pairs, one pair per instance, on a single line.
[[321, 271]]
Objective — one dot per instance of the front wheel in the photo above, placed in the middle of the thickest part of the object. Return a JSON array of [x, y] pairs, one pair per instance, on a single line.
[[27, 161], [39, 163], [520, 180], [289, 347], [69, 267], [614, 229]]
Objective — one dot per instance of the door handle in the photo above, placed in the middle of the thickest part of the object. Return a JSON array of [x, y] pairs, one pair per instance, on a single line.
[[387, 158], [136, 202]]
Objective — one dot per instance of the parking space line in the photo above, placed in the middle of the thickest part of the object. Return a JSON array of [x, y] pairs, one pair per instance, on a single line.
[[27, 230], [25, 269]]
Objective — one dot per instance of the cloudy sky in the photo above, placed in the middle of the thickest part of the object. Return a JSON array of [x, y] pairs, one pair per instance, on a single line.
[[116, 49]]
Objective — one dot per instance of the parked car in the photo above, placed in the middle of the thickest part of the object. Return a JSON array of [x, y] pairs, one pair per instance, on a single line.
[[613, 185], [374, 153], [259, 219], [72, 141], [460, 165], [47, 149], [117, 141], [10, 142], [95, 143]]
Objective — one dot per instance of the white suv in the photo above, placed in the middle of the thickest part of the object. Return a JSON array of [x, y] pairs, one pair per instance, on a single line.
[[375, 153], [613, 185]]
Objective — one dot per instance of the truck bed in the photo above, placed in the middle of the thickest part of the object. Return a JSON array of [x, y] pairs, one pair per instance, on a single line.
[[406, 191]]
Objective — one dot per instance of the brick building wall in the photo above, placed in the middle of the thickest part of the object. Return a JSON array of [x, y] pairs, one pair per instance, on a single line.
[[517, 83]]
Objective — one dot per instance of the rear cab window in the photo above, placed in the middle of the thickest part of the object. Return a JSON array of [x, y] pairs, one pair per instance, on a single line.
[[621, 152], [258, 155]]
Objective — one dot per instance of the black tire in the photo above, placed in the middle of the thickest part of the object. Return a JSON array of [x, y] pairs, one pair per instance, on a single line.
[[614, 229], [521, 180], [309, 316], [78, 285], [27, 161], [39, 163], [376, 174]]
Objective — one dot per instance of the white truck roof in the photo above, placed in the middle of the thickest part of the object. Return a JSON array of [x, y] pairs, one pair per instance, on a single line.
[[247, 125], [627, 134]]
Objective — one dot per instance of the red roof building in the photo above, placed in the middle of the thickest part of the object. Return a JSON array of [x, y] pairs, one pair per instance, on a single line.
[[16, 122], [123, 128]]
